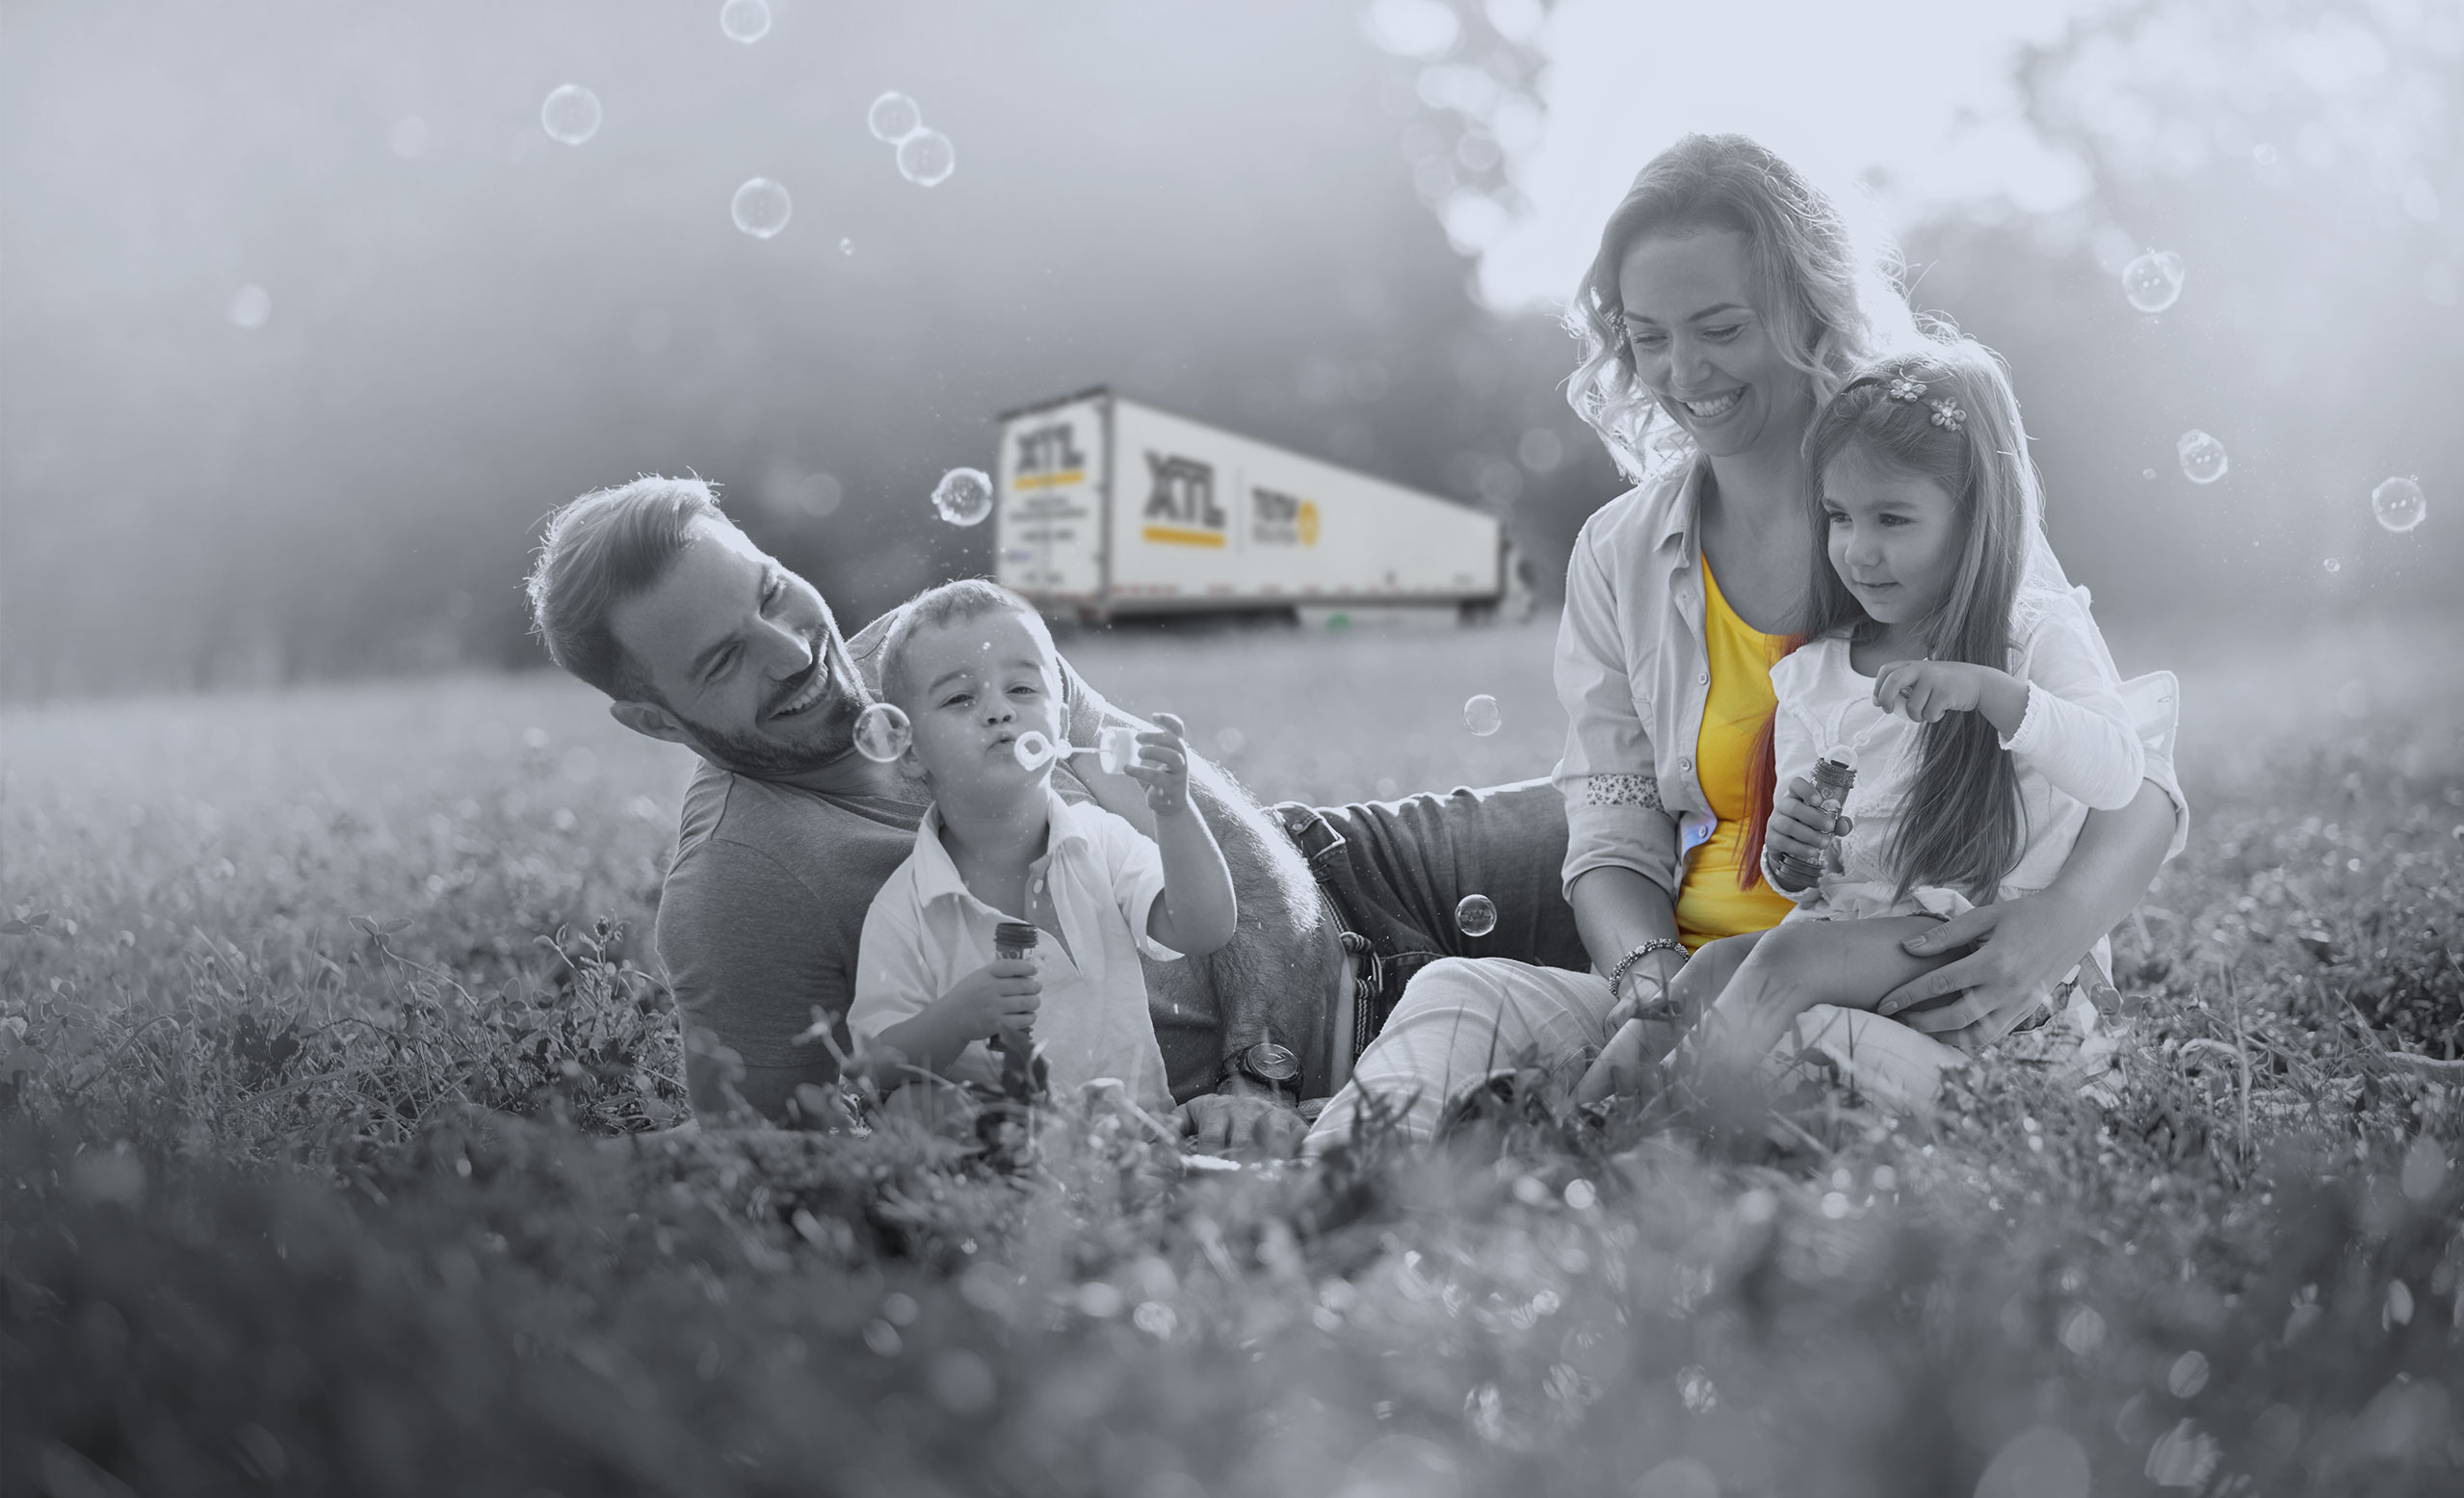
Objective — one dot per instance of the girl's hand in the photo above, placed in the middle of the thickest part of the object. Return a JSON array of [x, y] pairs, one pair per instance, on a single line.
[[1799, 828], [1162, 765], [1923, 691]]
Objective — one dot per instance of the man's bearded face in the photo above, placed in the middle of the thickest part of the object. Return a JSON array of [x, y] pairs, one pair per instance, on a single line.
[[745, 654]]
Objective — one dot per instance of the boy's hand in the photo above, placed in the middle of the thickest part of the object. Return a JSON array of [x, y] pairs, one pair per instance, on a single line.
[[1802, 828], [998, 998], [1162, 765]]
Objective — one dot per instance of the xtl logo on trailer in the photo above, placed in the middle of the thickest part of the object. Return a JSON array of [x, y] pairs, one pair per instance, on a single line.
[[1280, 520], [1181, 510], [1048, 457]]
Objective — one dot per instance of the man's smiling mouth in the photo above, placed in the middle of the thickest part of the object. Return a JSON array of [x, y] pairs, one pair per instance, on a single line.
[[817, 686]]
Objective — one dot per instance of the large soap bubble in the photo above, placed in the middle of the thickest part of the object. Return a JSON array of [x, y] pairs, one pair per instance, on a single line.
[[963, 496], [926, 158], [883, 733], [1476, 915], [894, 116], [1481, 715], [745, 20], [2153, 281], [251, 306], [2399, 505], [761, 207], [571, 113], [2203, 459], [1034, 749]]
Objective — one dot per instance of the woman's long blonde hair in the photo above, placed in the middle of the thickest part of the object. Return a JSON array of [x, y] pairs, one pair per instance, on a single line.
[[1830, 300]]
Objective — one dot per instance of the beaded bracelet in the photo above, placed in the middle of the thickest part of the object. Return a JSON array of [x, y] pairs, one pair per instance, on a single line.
[[1617, 974]]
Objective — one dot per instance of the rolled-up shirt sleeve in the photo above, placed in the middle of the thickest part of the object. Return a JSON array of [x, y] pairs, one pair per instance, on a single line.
[[1609, 775]]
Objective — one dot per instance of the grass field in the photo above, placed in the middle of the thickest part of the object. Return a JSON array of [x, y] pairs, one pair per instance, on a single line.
[[317, 1072]]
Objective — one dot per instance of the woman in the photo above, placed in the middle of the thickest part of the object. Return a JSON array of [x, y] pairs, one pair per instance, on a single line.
[[1724, 307]]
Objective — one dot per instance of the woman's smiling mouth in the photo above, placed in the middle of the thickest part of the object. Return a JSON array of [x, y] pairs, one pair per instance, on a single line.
[[1713, 407]]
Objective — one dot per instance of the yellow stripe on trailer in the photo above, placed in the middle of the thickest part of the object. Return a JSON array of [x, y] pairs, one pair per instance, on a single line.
[[1183, 536], [1049, 481]]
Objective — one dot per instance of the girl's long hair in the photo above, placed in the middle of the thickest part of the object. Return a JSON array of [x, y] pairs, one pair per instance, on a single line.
[[1831, 296], [1962, 830]]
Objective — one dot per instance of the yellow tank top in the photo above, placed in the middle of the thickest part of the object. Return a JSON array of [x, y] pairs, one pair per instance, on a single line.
[[1709, 903]]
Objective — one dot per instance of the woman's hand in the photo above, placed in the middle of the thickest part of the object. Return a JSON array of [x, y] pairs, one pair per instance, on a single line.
[[1802, 828], [2023, 947]]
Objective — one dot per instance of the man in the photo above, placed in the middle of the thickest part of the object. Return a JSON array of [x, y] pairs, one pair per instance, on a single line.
[[649, 593]]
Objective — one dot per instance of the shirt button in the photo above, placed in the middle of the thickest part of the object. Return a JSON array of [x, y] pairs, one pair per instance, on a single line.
[[1702, 679], [1039, 886], [1685, 764]]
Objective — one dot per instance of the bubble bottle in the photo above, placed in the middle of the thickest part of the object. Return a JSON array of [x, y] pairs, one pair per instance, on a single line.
[[1834, 777], [1026, 1077]]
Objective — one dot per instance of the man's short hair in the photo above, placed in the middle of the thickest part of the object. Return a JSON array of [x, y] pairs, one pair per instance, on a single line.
[[954, 603], [609, 545]]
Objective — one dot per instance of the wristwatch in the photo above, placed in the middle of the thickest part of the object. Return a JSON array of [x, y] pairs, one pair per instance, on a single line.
[[1266, 1062]]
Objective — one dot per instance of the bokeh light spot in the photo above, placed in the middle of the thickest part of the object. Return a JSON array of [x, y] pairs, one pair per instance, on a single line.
[[571, 113], [761, 207]]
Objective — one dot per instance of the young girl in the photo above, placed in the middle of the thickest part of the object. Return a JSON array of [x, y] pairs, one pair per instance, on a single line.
[[1977, 705]]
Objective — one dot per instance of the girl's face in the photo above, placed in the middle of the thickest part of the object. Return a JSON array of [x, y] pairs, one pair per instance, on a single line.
[[1703, 349], [1894, 539]]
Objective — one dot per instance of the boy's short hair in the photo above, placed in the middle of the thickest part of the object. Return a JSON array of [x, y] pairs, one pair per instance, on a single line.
[[597, 551], [955, 603]]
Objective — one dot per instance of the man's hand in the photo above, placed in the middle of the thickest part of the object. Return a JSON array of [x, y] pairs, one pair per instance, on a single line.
[[1243, 1117], [2023, 947], [1162, 765], [1802, 828]]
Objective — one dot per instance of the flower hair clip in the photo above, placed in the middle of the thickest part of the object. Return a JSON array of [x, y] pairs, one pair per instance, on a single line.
[[1906, 388], [1946, 415]]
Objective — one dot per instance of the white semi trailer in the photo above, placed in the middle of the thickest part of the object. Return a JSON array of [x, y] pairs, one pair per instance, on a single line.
[[1106, 508]]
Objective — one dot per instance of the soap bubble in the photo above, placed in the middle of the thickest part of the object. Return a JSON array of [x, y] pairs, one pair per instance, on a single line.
[[2153, 281], [2399, 505], [570, 115], [1480, 715], [883, 733], [963, 496], [894, 116], [761, 207], [2332, 565], [2147, 473], [250, 306], [1034, 750], [1476, 915], [926, 158], [2203, 459], [745, 20]]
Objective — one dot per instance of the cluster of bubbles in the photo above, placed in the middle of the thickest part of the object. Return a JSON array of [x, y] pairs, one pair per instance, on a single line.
[[1476, 915], [745, 20], [2153, 281], [1480, 715], [761, 207], [963, 496], [571, 113], [883, 733], [2202, 457], [926, 157]]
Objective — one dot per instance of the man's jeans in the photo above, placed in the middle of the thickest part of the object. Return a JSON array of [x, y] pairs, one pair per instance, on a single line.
[[1403, 868]]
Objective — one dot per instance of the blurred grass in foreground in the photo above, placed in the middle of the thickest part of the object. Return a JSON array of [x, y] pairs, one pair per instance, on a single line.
[[314, 1072]]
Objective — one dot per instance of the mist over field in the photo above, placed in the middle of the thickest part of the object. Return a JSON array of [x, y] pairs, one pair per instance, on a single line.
[[306, 321]]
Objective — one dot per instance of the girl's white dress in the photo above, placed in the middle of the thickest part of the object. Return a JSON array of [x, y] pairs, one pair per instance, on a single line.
[[2078, 748]]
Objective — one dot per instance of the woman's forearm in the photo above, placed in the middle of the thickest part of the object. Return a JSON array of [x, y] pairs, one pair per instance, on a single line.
[[2115, 861], [1616, 911]]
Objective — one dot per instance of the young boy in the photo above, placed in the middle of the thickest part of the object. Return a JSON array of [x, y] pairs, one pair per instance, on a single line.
[[974, 669]]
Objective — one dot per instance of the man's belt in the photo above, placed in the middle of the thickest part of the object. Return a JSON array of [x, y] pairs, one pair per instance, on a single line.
[[1381, 964]]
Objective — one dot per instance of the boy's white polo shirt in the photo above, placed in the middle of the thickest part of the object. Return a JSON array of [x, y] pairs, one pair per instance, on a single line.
[[1094, 888]]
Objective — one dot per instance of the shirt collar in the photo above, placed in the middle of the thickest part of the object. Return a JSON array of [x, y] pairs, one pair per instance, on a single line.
[[936, 876], [1677, 520]]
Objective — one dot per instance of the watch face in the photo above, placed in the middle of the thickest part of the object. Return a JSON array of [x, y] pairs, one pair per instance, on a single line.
[[1268, 1061]]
